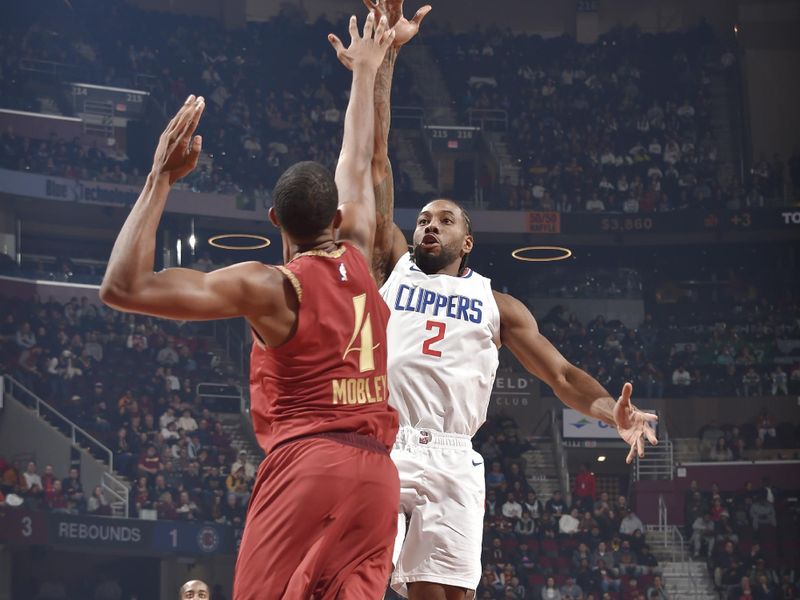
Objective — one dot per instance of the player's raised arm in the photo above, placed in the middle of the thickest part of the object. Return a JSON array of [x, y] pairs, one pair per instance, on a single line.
[[389, 240], [574, 387], [130, 283], [353, 171]]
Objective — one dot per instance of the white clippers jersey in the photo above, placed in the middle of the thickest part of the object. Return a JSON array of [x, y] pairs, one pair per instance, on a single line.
[[443, 336]]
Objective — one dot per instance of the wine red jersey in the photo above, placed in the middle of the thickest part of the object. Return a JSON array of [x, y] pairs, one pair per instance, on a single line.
[[331, 375]]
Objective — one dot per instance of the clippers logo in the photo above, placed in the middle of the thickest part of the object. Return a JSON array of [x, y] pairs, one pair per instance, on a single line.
[[208, 539]]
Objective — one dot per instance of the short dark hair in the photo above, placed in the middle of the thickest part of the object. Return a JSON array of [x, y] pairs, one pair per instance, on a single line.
[[305, 199]]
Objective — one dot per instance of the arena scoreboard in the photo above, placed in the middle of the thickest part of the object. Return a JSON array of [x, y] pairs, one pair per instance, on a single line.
[[452, 138], [87, 97]]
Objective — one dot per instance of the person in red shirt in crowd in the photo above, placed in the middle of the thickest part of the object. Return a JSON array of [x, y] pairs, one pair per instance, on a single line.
[[323, 515], [55, 499], [585, 488], [48, 479], [150, 463]]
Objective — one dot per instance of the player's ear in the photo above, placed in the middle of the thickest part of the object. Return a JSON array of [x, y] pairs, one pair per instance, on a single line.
[[337, 219], [466, 247], [273, 217]]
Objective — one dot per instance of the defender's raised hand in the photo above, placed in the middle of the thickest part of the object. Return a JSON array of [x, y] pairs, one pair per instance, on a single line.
[[178, 148], [393, 11], [633, 424], [367, 50]]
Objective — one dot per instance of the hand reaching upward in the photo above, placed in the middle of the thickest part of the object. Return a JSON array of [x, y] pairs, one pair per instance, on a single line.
[[365, 51], [633, 425], [404, 29], [178, 148]]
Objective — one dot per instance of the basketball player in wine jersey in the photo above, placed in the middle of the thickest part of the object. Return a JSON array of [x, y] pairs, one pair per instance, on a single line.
[[446, 327], [323, 513]]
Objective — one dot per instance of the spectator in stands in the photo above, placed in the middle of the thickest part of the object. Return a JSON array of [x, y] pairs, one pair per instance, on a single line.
[[630, 523], [25, 337], [681, 380], [96, 504], [533, 505], [603, 553], [244, 462], [585, 488], [751, 383], [495, 478], [32, 486], [165, 507], [56, 500], [150, 463], [511, 509], [555, 505], [609, 582], [656, 590], [186, 508], [233, 512], [571, 590], [568, 523], [762, 513], [48, 478], [168, 355], [73, 489], [764, 589], [720, 451], [765, 424], [779, 381], [726, 564], [703, 533], [550, 591], [236, 483]]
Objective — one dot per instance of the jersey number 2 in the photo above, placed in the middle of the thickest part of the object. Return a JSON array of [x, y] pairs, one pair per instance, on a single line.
[[439, 327], [362, 329]]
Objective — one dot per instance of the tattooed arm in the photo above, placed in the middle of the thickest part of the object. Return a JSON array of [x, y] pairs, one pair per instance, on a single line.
[[382, 179], [389, 240]]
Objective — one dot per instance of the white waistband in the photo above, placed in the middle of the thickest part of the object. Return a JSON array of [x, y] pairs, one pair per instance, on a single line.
[[429, 438]]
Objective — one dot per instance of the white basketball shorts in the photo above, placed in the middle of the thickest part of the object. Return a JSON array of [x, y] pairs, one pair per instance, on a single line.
[[440, 521]]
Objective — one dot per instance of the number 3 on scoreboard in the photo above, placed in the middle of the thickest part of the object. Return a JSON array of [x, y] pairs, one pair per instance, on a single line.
[[426, 345]]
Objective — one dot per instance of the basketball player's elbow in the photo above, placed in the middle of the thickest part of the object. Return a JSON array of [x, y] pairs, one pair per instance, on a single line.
[[119, 294], [562, 381]]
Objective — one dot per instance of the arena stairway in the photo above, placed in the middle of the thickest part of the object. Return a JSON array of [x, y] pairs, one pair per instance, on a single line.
[[429, 81], [409, 159], [39, 426], [683, 577], [541, 469]]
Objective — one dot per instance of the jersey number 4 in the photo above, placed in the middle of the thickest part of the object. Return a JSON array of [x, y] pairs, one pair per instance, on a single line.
[[439, 327], [362, 330]]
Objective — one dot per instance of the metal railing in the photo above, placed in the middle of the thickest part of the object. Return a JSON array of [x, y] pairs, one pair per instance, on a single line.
[[561, 456], [672, 539], [79, 437], [408, 117], [658, 462], [118, 491], [489, 119], [232, 336]]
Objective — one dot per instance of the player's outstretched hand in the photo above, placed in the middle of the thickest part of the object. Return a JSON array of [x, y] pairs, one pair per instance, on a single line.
[[178, 148], [404, 29], [367, 50], [633, 424]]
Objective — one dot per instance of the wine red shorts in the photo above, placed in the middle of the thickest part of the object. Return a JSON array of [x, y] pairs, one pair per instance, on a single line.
[[321, 522]]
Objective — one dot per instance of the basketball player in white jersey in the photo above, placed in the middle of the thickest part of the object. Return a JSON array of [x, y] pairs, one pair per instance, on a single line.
[[444, 333]]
